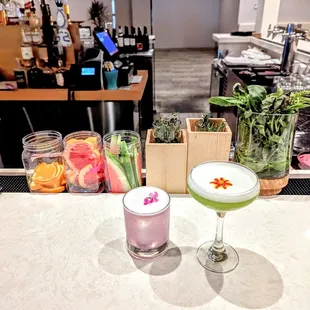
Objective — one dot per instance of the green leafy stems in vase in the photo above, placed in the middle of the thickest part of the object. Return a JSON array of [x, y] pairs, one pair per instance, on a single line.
[[266, 125], [208, 125], [168, 129]]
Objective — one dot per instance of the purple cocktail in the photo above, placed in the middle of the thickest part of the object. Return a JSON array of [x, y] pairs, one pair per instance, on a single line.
[[147, 221]]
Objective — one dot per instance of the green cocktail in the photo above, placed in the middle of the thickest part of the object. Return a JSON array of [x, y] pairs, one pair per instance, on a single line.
[[223, 187]]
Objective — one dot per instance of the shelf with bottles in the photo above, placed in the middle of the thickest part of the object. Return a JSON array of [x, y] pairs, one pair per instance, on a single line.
[[131, 42]]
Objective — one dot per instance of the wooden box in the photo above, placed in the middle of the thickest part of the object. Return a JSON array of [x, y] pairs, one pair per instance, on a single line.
[[207, 146], [166, 164]]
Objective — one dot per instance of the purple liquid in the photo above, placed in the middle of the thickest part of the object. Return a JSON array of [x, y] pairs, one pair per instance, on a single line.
[[147, 232]]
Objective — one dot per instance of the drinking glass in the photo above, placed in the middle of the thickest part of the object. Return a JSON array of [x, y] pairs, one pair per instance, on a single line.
[[147, 222], [223, 187]]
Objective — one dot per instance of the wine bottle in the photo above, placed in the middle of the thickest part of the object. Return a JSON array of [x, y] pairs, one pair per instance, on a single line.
[[133, 37], [126, 40], [139, 40], [146, 40], [120, 39], [114, 37], [20, 74]]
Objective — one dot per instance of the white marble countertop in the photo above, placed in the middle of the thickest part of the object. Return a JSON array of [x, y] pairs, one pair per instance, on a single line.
[[228, 38], [67, 252]]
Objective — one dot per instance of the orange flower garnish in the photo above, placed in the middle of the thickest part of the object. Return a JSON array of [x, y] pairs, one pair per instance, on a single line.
[[221, 183]]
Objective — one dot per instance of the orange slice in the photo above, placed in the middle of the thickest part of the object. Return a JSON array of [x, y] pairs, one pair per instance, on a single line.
[[49, 175], [35, 187], [71, 141], [59, 189]]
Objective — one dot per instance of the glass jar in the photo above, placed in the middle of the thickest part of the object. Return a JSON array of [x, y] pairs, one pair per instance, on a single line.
[[265, 143], [84, 163], [123, 161], [43, 162]]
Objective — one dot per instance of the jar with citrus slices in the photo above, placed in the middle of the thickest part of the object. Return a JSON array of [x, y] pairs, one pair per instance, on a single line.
[[83, 155], [43, 162]]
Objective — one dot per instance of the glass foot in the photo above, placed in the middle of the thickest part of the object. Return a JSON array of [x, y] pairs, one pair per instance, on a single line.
[[230, 258]]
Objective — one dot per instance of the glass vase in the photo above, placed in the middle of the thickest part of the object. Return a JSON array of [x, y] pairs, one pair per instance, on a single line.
[[83, 155], [265, 143], [43, 162], [123, 161]]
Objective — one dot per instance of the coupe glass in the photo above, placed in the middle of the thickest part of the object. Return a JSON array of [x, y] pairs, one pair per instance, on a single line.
[[223, 187]]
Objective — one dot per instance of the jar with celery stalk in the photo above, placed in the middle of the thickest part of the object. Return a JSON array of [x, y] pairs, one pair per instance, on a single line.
[[123, 161], [43, 162], [266, 126], [83, 155]]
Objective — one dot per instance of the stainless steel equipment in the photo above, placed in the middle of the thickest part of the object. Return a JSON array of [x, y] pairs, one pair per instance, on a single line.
[[290, 36]]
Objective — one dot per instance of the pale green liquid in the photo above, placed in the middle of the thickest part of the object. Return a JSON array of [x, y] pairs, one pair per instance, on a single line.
[[221, 206]]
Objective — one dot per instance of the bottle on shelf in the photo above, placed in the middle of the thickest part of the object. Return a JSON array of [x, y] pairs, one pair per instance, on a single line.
[[126, 41], [3, 20], [28, 5], [20, 74], [35, 27], [139, 40], [146, 40], [61, 75], [27, 54], [48, 31], [12, 12], [120, 39], [67, 11], [114, 37], [49, 77], [133, 37], [35, 76], [25, 27]]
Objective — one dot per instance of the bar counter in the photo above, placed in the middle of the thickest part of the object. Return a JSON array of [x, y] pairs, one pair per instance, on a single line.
[[134, 93], [68, 252]]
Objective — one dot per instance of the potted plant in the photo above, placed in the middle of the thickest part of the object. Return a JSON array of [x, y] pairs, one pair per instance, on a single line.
[[98, 14], [166, 155], [266, 126], [208, 139]]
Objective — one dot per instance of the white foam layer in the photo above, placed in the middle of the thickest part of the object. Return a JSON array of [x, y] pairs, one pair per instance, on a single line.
[[135, 200], [245, 184]]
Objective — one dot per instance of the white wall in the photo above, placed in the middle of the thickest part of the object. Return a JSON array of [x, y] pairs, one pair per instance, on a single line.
[[228, 19], [294, 11], [247, 15], [141, 13], [78, 8], [183, 23]]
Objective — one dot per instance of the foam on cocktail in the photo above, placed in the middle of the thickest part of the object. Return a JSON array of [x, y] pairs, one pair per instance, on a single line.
[[146, 200], [224, 182]]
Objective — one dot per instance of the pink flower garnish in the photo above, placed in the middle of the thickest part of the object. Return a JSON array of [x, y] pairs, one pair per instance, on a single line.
[[151, 199]]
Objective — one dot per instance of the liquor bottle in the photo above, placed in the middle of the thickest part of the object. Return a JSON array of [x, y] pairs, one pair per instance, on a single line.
[[27, 54], [67, 11], [12, 11], [146, 40], [61, 75], [126, 40], [133, 37], [49, 77], [3, 20], [120, 39], [20, 74], [35, 26], [139, 40], [114, 37], [27, 6], [35, 77], [25, 27], [47, 29]]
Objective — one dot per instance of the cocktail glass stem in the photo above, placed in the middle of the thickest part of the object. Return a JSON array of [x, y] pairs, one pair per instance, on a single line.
[[217, 252]]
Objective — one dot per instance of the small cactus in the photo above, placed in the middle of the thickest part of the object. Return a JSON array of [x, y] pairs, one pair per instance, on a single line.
[[206, 124], [168, 129]]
